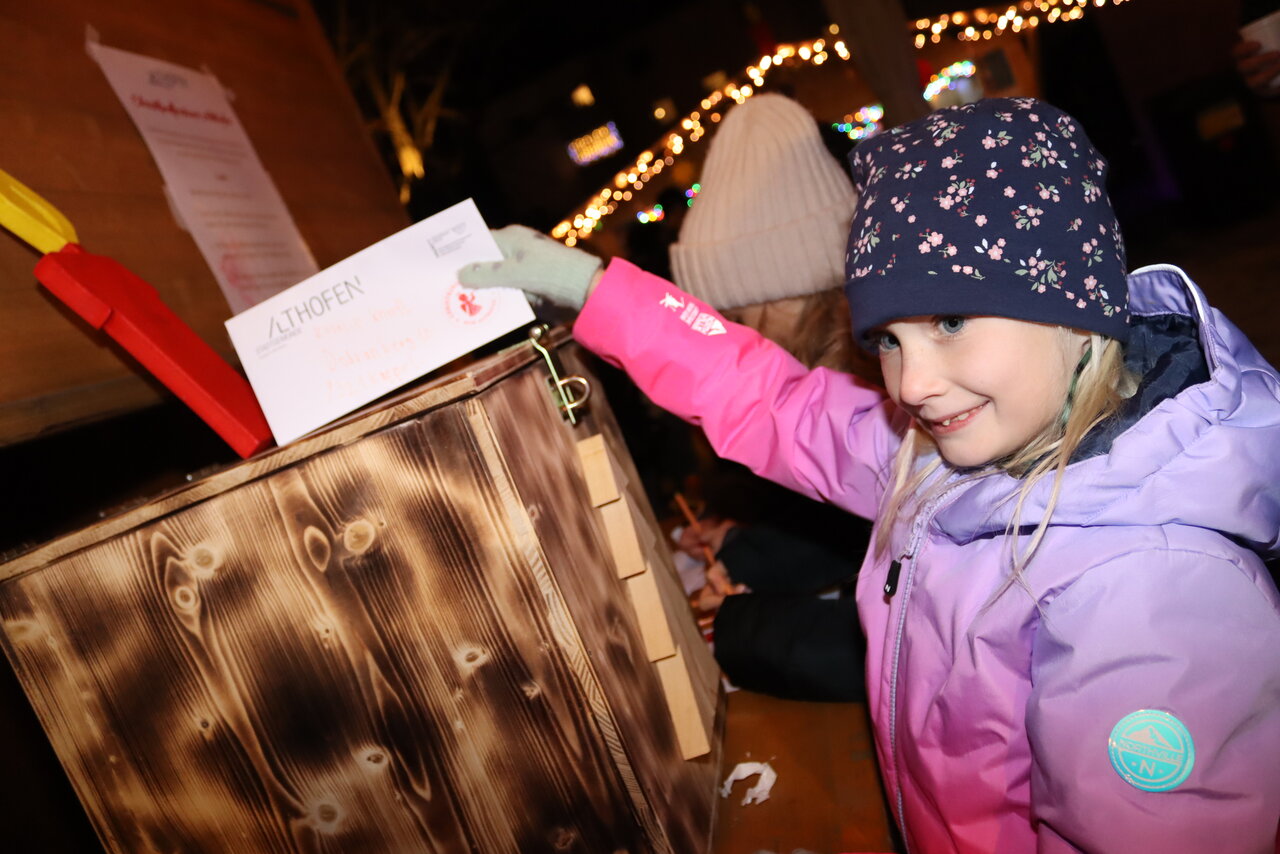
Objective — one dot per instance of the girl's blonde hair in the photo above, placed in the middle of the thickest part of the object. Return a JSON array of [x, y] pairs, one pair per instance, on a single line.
[[1100, 386]]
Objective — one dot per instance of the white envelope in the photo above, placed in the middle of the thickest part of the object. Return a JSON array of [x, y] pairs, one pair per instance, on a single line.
[[372, 322]]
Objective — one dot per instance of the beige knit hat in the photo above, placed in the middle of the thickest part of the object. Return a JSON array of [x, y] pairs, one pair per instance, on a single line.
[[772, 218]]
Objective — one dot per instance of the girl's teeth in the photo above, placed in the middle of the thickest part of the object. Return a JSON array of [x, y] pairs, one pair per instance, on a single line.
[[960, 417]]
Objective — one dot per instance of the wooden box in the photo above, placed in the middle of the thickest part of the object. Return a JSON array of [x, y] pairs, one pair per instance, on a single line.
[[446, 624]]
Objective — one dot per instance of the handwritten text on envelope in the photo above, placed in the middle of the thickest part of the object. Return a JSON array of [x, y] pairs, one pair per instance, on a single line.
[[372, 322]]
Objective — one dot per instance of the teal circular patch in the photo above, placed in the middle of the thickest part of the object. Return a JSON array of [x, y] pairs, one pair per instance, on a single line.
[[1151, 750]]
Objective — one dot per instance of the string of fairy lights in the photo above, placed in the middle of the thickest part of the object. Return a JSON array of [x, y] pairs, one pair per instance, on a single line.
[[987, 23], [977, 25]]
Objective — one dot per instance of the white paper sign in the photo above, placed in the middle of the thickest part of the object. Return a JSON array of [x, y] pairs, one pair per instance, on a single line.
[[215, 182], [373, 322]]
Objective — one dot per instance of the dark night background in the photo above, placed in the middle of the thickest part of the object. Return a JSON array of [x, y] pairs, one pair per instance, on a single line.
[[1146, 79], [506, 112]]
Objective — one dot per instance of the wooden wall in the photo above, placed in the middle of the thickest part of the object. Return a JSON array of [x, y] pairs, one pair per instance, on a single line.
[[65, 134]]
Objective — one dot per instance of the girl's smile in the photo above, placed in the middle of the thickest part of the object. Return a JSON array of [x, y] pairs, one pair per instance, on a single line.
[[983, 387], [951, 423]]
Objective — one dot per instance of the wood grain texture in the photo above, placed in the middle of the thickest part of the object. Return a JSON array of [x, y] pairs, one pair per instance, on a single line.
[[702, 666], [406, 404], [67, 136], [827, 797], [529, 426], [409, 640]]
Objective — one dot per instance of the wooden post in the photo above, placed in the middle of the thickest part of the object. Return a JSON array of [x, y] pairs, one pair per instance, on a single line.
[[877, 36]]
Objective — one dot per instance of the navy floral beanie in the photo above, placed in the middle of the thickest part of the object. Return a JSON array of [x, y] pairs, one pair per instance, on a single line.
[[992, 208]]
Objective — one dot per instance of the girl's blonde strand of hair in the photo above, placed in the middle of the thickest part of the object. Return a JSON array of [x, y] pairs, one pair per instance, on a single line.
[[906, 480], [1099, 391], [1101, 387]]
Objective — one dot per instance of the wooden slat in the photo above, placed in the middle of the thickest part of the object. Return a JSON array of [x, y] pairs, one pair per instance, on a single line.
[[680, 793], [654, 629], [682, 703], [74, 406], [702, 665], [601, 709], [620, 529], [597, 468]]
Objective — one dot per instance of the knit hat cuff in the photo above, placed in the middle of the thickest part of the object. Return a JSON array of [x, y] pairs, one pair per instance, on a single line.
[[797, 258], [876, 300]]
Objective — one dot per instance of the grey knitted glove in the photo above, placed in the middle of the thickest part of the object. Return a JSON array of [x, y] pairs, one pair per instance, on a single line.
[[536, 264]]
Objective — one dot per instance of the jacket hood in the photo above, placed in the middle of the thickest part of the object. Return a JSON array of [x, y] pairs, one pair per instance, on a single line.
[[1207, 455]]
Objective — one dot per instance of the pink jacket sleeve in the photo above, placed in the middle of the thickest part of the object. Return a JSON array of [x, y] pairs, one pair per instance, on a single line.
[[822, 433]]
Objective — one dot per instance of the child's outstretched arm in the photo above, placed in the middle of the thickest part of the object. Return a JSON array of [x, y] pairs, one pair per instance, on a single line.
[[1154, 717], [820, 432]]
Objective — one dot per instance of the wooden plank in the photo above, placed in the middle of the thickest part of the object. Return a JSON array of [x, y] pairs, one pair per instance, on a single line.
[[76, 406], [694, 739], [620, 529], [702, 665], [828, 795], [602, 710], [679, 794], [597, 469], [652, 618], [48, 144]]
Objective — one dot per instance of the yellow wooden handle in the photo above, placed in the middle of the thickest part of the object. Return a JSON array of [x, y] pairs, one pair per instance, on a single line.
[[32, 218]]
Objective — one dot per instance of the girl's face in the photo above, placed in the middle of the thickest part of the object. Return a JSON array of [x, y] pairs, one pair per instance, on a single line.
[[983, 387]]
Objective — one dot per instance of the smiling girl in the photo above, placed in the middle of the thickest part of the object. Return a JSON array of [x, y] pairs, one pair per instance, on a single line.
[[1073, 642]]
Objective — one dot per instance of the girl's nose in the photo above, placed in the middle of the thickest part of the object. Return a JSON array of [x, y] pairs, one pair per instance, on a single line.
[[920, 377]]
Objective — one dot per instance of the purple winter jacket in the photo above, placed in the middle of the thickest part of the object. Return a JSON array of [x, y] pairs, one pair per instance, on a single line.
[[1131, 701]]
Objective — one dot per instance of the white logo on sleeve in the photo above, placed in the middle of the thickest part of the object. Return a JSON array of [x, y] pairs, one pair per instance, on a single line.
[[708, 325], [697, 320]]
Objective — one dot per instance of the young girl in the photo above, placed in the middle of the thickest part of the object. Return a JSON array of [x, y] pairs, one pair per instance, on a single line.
[[1073, 643]]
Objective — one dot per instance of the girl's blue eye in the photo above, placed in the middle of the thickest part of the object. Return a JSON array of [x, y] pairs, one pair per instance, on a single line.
[[951, 325], [883, 341]]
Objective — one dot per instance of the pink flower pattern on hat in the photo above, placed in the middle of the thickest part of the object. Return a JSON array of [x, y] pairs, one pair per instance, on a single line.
[[1012, 185]]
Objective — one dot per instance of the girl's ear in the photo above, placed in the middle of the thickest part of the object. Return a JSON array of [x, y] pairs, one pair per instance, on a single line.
[[1075, 344], [1081, 340]]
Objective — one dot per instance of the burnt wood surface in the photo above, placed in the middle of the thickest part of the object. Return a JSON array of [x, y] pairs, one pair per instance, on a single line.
[[402, 634], [544, 467]]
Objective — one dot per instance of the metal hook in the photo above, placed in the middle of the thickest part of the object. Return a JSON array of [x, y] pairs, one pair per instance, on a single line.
[[567, 404], [574, 402]]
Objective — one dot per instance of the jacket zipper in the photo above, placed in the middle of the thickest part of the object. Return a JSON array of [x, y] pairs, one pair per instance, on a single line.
[[891, 583], [890, 587]]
